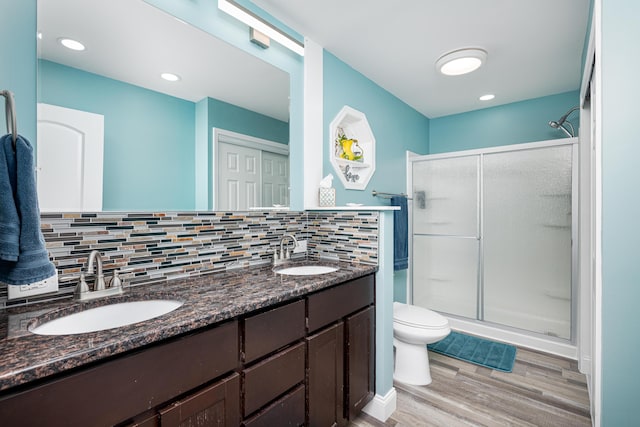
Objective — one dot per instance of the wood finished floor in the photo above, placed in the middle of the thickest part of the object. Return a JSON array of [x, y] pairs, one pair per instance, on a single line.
[[542, 390]]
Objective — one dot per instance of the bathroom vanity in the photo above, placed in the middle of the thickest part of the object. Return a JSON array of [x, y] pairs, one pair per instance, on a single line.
[[276, 351]]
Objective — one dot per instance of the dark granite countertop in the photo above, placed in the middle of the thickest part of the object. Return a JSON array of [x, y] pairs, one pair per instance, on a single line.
[[207, 300]]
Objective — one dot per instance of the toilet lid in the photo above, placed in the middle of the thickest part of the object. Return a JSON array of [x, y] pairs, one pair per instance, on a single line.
[[418, 317]]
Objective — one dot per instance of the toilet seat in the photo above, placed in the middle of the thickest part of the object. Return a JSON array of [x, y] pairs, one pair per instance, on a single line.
[[418, 317]]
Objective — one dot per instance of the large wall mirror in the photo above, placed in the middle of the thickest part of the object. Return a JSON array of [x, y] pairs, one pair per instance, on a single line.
[[157, 151]]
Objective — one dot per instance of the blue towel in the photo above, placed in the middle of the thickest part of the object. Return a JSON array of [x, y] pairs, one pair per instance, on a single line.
[[400, 234], [9, 219], [23, 256]]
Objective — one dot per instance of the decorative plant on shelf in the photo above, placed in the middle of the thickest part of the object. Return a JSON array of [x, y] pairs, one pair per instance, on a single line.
[[348, 148], [352, 148]]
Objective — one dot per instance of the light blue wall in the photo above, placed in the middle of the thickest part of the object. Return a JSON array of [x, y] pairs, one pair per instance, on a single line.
[[230, 117], [384, 306], [620, 212], [18, 68], [148, 137], [395, 126], [146, 131], [515, 123]]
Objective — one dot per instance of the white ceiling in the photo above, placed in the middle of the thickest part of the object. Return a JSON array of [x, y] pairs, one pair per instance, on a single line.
[[534, 46], [534, 49], [132, 41]]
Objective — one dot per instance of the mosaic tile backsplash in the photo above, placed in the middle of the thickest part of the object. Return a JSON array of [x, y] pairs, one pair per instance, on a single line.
[[156, 247]]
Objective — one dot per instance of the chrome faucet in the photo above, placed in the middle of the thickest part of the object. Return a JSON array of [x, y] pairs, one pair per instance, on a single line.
[[284, 252], [99, 283], [83, 292]]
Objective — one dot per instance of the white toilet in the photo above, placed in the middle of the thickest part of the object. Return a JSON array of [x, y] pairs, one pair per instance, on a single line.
[[413, 328]]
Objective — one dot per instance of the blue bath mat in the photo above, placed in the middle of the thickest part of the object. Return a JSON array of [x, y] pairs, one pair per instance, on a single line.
[[476, 350]]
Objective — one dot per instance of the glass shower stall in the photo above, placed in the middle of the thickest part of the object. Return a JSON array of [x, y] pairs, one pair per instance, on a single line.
[[492, 232]]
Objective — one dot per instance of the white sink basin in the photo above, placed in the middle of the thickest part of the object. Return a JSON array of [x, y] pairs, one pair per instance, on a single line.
[[306, 270], [107, 317]]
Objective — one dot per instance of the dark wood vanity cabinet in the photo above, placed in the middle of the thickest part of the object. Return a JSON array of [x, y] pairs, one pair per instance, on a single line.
[[337, 376], [305, 362], [325, 378], [360, 360], [115, 390], [341, 356]]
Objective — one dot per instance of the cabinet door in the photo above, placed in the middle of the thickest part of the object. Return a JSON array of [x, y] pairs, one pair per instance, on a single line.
[[216, 405], [360, 358], [325, 377]]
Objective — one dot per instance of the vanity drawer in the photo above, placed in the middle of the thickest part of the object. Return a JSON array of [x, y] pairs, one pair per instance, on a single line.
[[267, 332], [285, 412], [113, 391], [270, 378], [332, 304]]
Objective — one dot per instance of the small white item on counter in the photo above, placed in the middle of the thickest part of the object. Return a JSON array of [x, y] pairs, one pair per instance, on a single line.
[[327, 181], [327, 194]]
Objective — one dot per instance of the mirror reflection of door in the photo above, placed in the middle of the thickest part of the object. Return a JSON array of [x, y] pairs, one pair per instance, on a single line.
[[275, 179], [238, 174], [250, 172], [69, 158]]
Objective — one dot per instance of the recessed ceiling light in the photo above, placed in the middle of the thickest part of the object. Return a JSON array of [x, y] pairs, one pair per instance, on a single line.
[[487, 97], [461, 61], [170, 77], [71, 44]]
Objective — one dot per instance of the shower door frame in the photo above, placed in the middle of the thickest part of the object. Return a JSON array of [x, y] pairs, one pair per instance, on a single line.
[[533, 339]]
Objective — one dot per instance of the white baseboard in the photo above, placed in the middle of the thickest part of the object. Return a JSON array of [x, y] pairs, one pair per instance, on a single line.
[[381, 407], [584, 365]]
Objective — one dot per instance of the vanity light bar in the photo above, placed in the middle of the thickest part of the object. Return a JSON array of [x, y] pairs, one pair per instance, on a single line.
[[244, 15]]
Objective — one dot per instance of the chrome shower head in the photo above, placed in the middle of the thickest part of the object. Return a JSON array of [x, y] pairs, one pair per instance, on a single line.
[[560, 123], [560, 126], [564, 117]]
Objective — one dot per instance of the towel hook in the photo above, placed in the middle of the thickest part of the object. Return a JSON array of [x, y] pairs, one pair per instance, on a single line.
[[10, 115]]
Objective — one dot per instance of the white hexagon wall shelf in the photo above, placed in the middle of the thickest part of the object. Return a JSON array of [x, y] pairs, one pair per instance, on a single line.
[[352, 148]]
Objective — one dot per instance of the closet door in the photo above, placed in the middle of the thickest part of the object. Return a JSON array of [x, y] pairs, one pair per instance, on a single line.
[[445, 235], [527, 239]]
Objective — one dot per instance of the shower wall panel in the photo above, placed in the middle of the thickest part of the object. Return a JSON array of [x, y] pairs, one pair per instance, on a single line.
[[450, 190], [492, 236], [445, 230], [446, 275], [527, 239]]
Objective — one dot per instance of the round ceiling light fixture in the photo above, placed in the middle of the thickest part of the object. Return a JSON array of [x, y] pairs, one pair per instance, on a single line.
[[170, 77], [461, 61], [487, 97], [71, 44]]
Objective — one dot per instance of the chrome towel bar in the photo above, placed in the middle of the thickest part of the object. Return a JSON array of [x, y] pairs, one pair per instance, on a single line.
[[10, 115], [375, 193]]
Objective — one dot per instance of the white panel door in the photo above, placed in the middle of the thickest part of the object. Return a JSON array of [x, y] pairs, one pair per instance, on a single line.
[[275, 179], [239, 177], [69, 159]]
